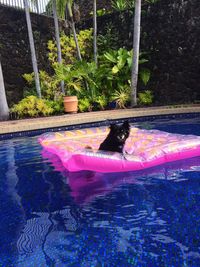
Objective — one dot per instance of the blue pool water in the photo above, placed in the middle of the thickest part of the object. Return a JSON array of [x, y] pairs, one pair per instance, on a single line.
[[149, 218]]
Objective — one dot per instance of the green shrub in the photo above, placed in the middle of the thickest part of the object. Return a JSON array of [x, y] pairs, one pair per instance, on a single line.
[[84, 105], [71, 71], [50, 85], [68, 48], [146, 97], [108, 40], [122, 96], [57, 106], [102, 102], [114, 74], [32, 106], [120, 5], [94, 86]]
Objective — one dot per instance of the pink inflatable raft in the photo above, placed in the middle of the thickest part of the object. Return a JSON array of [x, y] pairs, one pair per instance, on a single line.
[[144, 149]]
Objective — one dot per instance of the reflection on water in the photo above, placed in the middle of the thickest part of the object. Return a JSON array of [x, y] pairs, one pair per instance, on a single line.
[[86, 185], [50, 217]]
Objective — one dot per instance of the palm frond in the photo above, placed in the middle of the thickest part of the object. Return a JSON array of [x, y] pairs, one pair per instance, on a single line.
[[61, 6]]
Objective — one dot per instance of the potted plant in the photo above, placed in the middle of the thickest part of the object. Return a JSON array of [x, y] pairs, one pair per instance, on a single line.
[[70, 104], [73, 83], [76, 77]]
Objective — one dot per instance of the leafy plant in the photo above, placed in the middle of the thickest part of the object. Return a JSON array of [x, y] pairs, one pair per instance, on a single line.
[[75, 75], [96, 103], [56, 105], [152, 1], [122, 96], [71, 77], [100, 12], [68, 48], [108, 39], [102, 102], [84, 104], [146, 97], [50, 86], [114, 71], [120, 58], [144, 75], [121, 5], [32, 106]]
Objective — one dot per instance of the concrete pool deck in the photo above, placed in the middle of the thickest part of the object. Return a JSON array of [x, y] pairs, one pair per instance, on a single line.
[[13, 126]]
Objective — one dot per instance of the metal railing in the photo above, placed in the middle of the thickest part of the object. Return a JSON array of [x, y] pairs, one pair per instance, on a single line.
[[42, 7]]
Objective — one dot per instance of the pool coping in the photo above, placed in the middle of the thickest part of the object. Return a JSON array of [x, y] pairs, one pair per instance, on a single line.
[[26, 125]]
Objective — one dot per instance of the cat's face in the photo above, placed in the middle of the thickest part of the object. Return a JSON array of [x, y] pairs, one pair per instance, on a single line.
[[120, 132]]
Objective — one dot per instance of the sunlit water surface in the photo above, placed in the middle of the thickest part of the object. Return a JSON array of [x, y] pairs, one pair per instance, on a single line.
[[50, 218]]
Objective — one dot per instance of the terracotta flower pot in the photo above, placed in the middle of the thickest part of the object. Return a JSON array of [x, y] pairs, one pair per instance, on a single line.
[[70, 104]]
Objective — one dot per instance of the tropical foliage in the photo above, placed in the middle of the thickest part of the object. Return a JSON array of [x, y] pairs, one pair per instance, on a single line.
[[145, 97], [32, 106], [108, 40], [49, 85], [121, 5], [108, 82], [68, 48], [96, 85]]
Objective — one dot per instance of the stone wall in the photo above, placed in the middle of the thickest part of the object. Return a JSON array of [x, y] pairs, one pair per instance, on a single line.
[[170, 35], [86, 7], [15, 50]]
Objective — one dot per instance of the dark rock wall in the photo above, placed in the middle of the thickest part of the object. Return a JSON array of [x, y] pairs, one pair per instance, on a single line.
[[86, 6], [170, 34], [15, 50]]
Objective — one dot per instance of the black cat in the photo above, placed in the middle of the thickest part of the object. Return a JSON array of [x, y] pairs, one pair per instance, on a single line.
[[116, 138]]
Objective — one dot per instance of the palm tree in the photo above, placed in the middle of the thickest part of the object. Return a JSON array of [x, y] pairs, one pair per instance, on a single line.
[[136, 48], [71, 19], [65, 7], [57, 39], [95, 30], [4, 111], [32, 47]]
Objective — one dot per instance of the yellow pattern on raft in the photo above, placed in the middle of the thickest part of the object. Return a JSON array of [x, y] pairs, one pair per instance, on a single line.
[[144, 143]]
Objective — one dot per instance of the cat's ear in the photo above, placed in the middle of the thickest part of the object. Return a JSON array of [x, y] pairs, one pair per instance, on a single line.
[[113, 126], [126, 125]]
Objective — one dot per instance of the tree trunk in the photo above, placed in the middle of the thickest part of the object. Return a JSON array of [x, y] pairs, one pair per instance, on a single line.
[[58, 40], [32, 47], [95, 31], [71, 19], [136, 49], [4, 111], [72, 24]]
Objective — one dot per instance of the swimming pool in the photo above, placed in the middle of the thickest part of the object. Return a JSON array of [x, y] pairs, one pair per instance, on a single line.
[[147, 218]]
